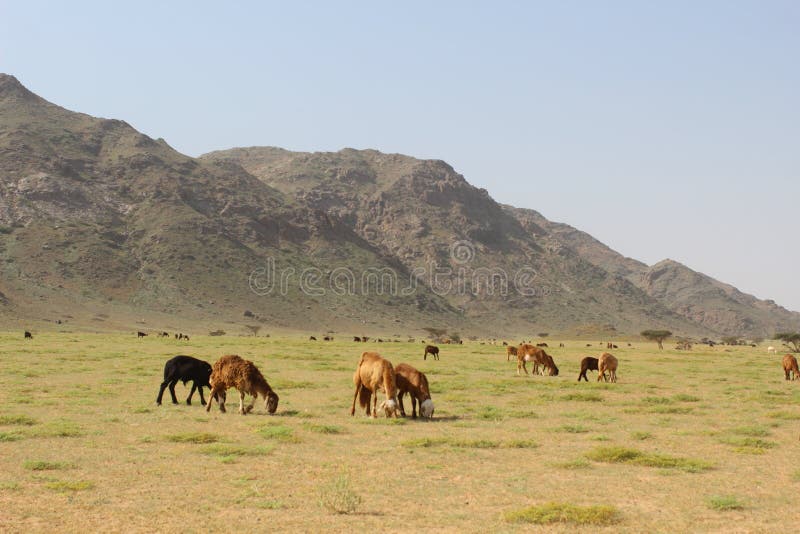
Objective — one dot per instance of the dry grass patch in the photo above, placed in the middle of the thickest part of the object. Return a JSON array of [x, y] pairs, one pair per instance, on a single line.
[[337, 495], [17, 420], [554, 512], [750, 445]]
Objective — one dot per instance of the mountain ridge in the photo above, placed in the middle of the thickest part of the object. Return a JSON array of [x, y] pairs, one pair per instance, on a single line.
[[97, 217]]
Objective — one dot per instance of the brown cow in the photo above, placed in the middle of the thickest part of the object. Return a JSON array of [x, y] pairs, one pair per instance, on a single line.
[[790, 366], [607, 362], [372, 375], [415, 383], [432, 350], [587, 364]]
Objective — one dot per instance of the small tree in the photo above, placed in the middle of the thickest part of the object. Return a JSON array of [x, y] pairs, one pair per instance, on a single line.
[[791, 340], [730, 340], [435, 333], [455, 337], [656, 335], [254, 328]]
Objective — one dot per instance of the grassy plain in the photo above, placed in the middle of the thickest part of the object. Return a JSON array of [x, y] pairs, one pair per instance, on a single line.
[[705, 440]]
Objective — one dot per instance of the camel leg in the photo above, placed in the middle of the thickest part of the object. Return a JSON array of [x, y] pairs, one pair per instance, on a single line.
[[252, 404], [241, 403], [414, 407], [353, 409], [375, 403], [189, 398], [400, 402]]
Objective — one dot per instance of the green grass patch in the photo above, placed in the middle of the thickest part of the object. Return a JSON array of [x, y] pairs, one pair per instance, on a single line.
[[670, 409], [324, 429], [626, 455], [278, 433], [10, 436], [64, 486], [751, 431], [58, 429], [750, 445], [583, 397], [786, 416], [580, 463], [554, 512], [683, 397], [572, 429], [41, 465], [657, 400], [9, 485], [641, 436], [193, 437], [18, 420], [724, 503], [223, 450]]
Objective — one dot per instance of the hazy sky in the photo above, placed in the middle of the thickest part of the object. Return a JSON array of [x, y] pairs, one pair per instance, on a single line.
[[665, 129]]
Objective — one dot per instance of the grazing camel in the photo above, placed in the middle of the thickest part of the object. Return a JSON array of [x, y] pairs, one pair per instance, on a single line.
[[415, 383], [234, 371], [790, 366], [372, 375], [432, 350], [510, 351], [587, 364], [528, 353], [607, 362]]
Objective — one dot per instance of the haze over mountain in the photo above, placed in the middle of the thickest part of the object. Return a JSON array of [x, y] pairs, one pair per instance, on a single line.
[[105, 227]]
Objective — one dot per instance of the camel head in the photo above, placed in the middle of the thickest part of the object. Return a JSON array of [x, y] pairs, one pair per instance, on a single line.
[[426, 409], [272, 402], [554, 371]]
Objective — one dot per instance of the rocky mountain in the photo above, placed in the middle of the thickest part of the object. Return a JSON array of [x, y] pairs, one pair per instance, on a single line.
[[103, 227]]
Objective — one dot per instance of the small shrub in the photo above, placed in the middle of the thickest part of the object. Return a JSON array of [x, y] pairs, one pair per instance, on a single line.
[[724, 503], [573, 429], [641, 436], [749, 445], [580, 463], [10, 436], [337, 496], [223, 450], [193, 437], [683, 397], [553, 512]]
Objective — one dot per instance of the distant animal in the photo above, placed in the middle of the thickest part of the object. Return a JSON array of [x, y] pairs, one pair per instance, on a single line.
[[609, 345], [447, 342], [542, 345], [364, 339], [357, 339], [607, 362], [163, 334], [28, 335], [233, 371], [560, 345], [587, 364], [415, 383], [790, 367], [588, 344], [375, 374], [432, 350], [510, 351], [327, 338], [176, 336], [708, 343], [614, 347], [185, 368], [505, 343], [771, 350], [380, 340], [140, 334], [528, 353], [312, 338]]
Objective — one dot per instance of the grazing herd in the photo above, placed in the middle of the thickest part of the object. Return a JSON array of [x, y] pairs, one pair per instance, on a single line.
[[374, 375]]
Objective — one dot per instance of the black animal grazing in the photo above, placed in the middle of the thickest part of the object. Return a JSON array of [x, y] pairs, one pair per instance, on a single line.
[[312, 338], [140, 334], [587, 364], [185, 368], [542, 345], [433, 350], [28, 335], [357, 339]]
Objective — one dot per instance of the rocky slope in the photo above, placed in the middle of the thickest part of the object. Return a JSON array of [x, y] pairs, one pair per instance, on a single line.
[[104, 227]]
